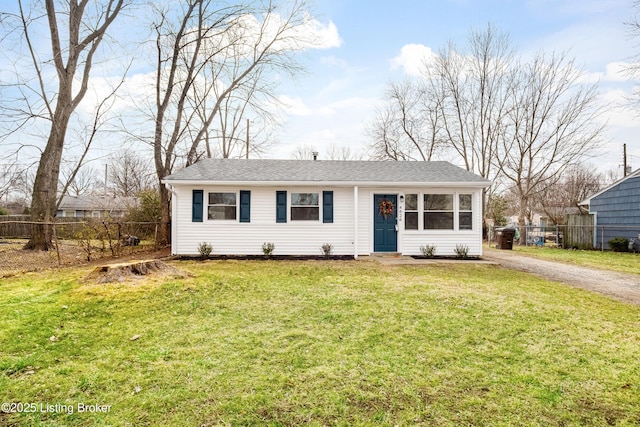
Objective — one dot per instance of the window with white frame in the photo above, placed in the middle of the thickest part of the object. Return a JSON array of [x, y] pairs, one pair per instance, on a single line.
[[410, 211], [305, 207], [465, 212], [222, 206], [438, 211]]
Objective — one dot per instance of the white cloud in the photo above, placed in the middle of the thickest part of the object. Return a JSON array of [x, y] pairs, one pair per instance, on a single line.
[[309, 33], [412, 58], [333, 61], [614, 72], [294, 106], [350, 106], [617, 112], [327, 35]]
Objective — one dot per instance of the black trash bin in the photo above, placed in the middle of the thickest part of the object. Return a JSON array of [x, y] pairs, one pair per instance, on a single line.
[[505, 236]]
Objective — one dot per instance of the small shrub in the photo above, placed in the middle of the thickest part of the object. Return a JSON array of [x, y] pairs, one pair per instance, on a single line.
[[619, 244], [267, 249], [462, 251], [205, 249], [327, 249], [85, 237], [428, 251]]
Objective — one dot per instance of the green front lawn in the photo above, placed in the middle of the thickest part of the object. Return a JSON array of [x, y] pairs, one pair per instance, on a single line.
[[318, 343], [624, 262]]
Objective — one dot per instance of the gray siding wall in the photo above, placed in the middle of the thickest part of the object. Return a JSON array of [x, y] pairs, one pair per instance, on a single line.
[[618, 212]]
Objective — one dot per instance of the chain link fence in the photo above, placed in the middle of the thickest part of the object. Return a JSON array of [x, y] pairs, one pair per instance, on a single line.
[[588, 237], [74, 241]]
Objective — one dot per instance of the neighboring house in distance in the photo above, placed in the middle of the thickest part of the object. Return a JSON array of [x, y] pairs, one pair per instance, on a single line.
[[616, 210], [359, 207], [95, 206], [546, 217]]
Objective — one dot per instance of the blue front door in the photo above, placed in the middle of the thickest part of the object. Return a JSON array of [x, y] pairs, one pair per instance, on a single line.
[[385, 236]]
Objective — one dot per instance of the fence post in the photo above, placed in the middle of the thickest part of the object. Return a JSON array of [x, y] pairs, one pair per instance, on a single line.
[[155, 238], [55, 240]]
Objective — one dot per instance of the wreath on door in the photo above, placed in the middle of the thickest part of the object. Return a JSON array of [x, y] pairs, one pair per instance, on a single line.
[[385, 208]]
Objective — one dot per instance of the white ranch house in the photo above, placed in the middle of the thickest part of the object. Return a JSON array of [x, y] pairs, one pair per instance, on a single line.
[[359, 207]]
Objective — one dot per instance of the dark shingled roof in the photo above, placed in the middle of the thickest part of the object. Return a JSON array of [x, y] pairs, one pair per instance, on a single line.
[[316, 171]]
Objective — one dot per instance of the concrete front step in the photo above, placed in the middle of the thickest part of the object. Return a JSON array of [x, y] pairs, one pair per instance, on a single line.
[[386, 254]]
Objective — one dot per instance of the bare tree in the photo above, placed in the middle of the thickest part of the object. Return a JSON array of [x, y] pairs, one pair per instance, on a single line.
[[553, 123], [575, 184], [457, 109], [130, 173], [77, 178], [304, 152], [10, 177], [473, 88], [83, 182], [333, 152], [343, 153], [233, 134], [76, 30], [408, 128], [214, 51], [633, 69]]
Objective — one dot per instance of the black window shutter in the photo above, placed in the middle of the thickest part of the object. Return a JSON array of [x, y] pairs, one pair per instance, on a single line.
[[281, 206], [197, 206], [245, 206], [327, 206]]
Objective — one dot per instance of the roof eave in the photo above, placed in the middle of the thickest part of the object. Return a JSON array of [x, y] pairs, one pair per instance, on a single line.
[[469, 184]]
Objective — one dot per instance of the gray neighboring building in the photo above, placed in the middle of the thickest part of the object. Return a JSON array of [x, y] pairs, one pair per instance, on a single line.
[[95, 206], [616, 210]]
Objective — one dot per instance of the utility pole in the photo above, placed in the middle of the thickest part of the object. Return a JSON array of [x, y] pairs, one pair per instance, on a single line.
[[624, 160]]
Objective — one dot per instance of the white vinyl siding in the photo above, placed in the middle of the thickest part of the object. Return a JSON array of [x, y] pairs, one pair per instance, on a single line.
[[307, 237], [291, 238]]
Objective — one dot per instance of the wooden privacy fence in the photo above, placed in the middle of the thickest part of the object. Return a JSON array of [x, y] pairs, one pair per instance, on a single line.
[[579, 231], [21, 226]]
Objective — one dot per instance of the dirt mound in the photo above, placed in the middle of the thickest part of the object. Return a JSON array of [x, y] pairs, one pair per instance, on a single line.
[[136, 269]]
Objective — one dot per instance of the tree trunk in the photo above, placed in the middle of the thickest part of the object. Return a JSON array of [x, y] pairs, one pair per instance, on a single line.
[[45, 188], [164, 231], [522, 221]]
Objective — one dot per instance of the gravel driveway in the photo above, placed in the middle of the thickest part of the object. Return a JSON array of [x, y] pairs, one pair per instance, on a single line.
[[620, 286]]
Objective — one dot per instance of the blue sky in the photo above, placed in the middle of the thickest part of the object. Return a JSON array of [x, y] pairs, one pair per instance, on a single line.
[[345, 83], [370, 43]]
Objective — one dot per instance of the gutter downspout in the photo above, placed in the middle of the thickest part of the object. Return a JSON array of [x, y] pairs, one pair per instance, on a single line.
[[174, 223], [355, 222]]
